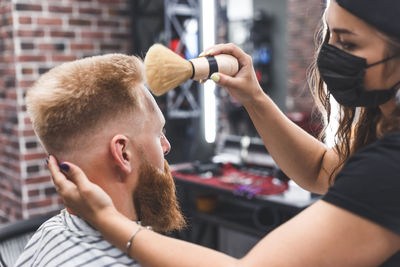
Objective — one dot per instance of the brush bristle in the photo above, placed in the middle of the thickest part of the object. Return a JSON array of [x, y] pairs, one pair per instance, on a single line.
[[165, 69]]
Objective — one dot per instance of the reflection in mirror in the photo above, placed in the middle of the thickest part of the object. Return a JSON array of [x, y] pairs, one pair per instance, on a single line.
[[251, 26]]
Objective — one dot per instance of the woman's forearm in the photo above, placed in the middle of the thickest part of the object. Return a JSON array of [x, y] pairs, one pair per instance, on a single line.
[[152, 249], [302, 157]]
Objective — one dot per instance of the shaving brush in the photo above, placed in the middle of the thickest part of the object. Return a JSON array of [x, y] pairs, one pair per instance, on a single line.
[[165, 69]]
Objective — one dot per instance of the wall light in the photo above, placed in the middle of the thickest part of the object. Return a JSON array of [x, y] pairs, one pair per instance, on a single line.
[[208, 39]]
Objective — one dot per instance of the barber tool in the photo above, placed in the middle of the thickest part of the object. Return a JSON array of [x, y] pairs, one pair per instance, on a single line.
[[165, 69]]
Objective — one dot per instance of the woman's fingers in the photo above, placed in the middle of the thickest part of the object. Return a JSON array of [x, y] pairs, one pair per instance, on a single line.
[[67, 189], [243, 86], [60, 180], [67, 172], [230, 49], [223, 80]]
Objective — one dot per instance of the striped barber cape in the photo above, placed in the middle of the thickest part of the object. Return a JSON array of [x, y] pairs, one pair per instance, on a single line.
[[67, 240]]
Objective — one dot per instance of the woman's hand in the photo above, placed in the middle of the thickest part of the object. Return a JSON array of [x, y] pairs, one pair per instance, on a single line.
[[81, 196], [244, 86]]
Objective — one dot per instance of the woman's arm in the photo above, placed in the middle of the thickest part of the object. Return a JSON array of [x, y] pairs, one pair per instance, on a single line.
[[322, 235], [302, 157], [153, 249]]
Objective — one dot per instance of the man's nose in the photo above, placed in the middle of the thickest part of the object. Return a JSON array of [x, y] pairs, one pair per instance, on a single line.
[[166, 146]]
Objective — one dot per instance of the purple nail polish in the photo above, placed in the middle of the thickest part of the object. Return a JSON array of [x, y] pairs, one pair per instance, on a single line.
[[64, 167]]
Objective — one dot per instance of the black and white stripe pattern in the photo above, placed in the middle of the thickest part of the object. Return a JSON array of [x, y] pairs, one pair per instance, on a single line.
[[67, 240]]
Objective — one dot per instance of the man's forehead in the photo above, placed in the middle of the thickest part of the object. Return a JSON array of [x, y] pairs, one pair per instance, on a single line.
[[151, 104]]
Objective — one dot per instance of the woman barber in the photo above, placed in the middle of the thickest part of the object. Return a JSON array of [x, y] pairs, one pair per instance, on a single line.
[[357, 222]]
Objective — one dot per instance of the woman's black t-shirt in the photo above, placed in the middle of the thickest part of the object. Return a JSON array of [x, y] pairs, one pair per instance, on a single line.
[[369, 185]]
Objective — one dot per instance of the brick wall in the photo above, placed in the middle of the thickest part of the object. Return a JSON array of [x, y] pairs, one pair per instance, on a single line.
[[303, 20], [36, 35], [10, 192]]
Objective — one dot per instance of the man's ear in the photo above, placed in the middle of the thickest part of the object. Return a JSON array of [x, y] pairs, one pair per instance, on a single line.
[[120, 152]]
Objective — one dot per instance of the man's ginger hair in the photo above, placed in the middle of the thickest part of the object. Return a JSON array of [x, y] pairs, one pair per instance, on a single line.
[[81, 95]]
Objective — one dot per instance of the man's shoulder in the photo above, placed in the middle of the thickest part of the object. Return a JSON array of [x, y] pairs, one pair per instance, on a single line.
[[67, 240], [63, 226], [41, 238], [54, 222]]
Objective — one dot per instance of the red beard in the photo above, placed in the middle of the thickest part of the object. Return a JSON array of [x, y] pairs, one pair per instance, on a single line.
[[155, 199]]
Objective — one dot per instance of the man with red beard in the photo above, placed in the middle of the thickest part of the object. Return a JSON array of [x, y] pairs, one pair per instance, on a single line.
[[96, 112]]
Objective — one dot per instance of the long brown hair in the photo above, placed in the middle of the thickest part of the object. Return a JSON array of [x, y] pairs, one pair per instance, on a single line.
[[357, 127]]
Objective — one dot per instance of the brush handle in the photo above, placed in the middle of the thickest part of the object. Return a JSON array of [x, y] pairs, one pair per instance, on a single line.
[[203, 67]]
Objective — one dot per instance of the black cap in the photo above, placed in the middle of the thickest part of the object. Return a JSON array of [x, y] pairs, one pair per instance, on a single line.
[[382, 14]]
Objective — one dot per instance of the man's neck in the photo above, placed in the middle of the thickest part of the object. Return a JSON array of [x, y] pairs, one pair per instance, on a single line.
[[96, 166], [118, 190]]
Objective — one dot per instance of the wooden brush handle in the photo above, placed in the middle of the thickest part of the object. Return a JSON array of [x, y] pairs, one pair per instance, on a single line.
[[205, 66]]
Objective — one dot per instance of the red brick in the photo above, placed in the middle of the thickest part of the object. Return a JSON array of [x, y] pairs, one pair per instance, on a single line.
[[12, 166], [31, 169], [8, 21], [27, 71], [49, 21], [27, 120], [12, 95], [63, 58], [90, 11], [8, 58], [60, 9], [31, 58], [25, 20], [50, 191], [27, 46], [79, 22], [26, 83], [4, 9], [35, 156], [92, 34], [46, 46], [33, 193], [67, 34], [38, 180], [79, 46], [108, 23], [28, 133], [28, 7], [30, 33], [9, 72]]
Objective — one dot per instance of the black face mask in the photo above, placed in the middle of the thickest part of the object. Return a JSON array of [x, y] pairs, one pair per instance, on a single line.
[[344, 75]]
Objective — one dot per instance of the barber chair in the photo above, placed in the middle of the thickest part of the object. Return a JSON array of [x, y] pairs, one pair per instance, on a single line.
[[14, 236]]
